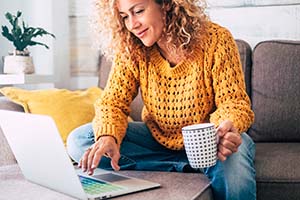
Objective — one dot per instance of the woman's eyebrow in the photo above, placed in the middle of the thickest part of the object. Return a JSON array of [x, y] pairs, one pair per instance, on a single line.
[[131, 8]]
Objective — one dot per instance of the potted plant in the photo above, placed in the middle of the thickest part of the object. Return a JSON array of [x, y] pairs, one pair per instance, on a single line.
[[21, 35]]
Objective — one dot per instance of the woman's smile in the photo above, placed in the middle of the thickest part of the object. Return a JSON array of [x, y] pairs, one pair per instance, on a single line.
[[142, 33]]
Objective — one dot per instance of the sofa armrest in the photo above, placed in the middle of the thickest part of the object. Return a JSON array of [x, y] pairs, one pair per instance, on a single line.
[[7, 157], [6, 104]]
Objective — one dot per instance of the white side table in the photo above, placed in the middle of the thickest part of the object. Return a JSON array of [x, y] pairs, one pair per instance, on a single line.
[[16, 79]]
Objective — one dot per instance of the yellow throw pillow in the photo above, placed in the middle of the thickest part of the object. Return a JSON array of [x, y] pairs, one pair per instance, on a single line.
[[69, 109]]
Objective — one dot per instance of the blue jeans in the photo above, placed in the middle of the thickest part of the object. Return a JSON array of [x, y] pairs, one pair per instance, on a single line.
[[231, 179]]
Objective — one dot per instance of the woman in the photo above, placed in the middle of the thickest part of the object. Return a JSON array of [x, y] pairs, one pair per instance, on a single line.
[[188, 71]]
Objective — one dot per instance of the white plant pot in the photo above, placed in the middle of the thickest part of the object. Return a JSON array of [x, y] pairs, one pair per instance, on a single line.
[[14, 64]]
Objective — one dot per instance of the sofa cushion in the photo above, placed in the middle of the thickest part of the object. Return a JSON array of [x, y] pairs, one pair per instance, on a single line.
[[175, 186], [277, 170], [277, 162], [278, 191], [15, 187], [275, 91], [7, 156], [69, 109], [6, 104], [245, 56]]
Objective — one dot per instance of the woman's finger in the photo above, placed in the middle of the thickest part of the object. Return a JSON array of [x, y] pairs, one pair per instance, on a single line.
[[234, 138], [84, 159], [115, 160], [221, 156], [225, 151], [224, 127], [97, 157], [228, 144], [93, 148]]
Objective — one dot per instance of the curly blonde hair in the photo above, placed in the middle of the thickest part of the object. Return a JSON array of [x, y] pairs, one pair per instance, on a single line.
[[185, 26]]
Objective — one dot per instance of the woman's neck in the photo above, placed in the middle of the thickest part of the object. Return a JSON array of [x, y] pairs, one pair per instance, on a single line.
[[173, 57]]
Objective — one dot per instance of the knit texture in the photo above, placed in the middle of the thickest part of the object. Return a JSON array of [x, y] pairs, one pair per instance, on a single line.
[[208, 86]]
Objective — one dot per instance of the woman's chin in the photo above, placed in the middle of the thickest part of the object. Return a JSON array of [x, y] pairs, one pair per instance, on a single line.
[[148, 43]]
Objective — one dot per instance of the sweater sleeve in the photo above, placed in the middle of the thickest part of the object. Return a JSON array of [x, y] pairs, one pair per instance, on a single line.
[[231, 99], [112, 108]]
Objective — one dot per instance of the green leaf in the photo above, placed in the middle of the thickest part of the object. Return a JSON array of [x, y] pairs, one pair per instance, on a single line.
[[5, 33], [41, 32], [24, 26], [9, 17], [32, 43], [17, 31], [21, 34], [19, 13]]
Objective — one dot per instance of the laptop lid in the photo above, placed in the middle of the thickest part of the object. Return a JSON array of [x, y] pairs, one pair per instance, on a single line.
[[42, 158]]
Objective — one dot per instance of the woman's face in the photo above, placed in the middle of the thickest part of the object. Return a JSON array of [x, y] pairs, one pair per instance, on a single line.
[[143, 18]]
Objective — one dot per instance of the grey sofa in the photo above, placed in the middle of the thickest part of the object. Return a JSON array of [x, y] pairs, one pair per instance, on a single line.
[[272, 75]]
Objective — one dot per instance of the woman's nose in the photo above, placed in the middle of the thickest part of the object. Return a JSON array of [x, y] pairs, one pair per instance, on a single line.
[[133, 23]]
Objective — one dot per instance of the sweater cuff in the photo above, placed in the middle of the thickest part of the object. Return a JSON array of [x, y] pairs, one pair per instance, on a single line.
[[109, 130], [241, 124]]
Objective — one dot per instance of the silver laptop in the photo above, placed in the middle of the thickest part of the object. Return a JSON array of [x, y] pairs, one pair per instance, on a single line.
[[42, 157]]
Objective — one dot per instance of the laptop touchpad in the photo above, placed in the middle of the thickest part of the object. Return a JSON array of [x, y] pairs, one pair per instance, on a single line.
[[110, 177]]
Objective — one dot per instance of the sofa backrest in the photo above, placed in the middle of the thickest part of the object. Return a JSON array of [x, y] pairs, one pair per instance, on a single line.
[[275, 91], [245, 56], [137, 104]]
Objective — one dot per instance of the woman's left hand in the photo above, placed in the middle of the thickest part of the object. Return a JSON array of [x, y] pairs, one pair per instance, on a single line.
[[229, 139]]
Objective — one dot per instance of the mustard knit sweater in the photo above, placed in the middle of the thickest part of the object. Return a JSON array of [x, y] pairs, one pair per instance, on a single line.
[[209, 86]]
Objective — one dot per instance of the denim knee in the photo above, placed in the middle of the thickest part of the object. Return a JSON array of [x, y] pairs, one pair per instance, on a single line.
[[235, 177], [243, 183], [79, 140]]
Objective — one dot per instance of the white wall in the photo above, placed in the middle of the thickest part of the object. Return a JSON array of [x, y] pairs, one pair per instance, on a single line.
[[61, 48], [244, 3], [52, 15], [251, 20], [254, 20], [83, 52], [5, 6]]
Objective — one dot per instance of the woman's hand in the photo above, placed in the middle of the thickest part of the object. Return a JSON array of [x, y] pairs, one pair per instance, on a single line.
[[105, 146], [229, 139]]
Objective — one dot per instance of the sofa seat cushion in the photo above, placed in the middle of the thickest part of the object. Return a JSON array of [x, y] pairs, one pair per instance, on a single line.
[[7, 157], [277, 171], [13, 186], [175, 186], [277, 162]]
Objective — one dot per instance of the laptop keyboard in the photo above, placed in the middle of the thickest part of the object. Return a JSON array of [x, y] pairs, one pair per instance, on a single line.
[[94, 187]]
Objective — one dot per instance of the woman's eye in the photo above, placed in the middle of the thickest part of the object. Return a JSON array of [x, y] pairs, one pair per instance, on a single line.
[[124, 17], [139, 11]]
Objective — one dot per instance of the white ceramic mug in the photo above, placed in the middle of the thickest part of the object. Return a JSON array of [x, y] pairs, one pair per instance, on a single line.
[[200, 142]]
